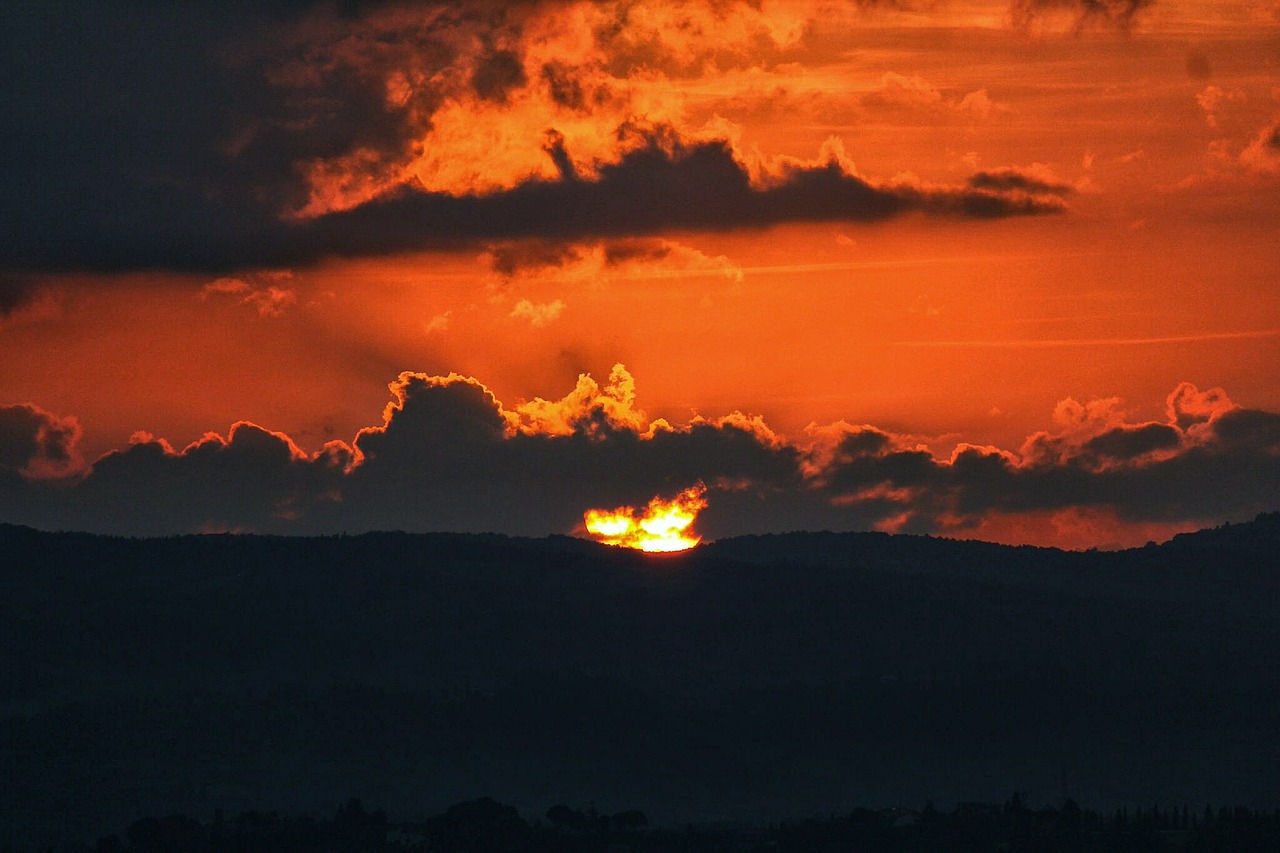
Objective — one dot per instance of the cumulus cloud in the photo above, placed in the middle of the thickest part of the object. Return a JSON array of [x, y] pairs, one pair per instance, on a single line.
[[37, 444], [448, 455], [539, 465], [253, 479], [1208, 457], [538, 314]]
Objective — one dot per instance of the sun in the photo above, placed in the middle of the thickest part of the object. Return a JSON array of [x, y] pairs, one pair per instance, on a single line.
[[663, 526]]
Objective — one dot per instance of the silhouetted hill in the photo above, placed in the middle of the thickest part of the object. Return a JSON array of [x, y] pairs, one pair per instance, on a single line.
[[757, 677]]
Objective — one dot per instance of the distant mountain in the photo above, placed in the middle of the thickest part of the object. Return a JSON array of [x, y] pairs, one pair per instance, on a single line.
[[756, 677]]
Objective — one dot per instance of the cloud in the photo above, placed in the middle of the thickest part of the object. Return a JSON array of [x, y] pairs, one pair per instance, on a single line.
[[1037, 180], [1209, 457], [234, 136], [1198, 65], [271, 299], [1212, 98], [540, 465], [1262, 154], [448, 455], [530, 257], [1082, 14], [605, 260], [37, 444], [1187, 406], [538, 314], [16, 293], [252, 479], [903, 92], [666, 184], [438, 323]]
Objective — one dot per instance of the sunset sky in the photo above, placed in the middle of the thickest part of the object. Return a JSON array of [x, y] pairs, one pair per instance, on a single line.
[[976, 269]]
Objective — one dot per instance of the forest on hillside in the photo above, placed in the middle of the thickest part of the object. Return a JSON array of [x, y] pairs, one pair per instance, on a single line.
[[487, 826], [755, 680]]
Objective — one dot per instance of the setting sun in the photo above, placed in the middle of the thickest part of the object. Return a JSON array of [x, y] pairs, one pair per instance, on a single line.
[[663, 526]]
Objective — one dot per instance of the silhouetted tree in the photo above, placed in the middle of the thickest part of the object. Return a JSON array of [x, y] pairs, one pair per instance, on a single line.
[[479, 826], [564, 817], [630, 820], [172, 834]]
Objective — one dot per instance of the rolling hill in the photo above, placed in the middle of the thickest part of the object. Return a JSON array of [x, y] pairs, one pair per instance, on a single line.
[[753, 678]]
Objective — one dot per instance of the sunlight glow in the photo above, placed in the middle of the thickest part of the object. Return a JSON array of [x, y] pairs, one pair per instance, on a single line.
[[663, 526]]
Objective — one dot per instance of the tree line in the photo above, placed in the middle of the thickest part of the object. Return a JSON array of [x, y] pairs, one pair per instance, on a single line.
[[487, 826]]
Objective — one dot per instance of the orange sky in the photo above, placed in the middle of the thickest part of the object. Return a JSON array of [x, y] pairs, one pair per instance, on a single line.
[[254, 267]]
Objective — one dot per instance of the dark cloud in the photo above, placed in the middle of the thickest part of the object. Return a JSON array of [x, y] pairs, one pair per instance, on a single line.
[[621, 251], [36, 443], [1124, 443], [498, 73], [16, 292], [651, 190], [150, 136], [450, 456], [510, 259], [1014, 180], [525, 257], [253, 479], [564, 86], [447, 457], [485, 472], [1247, 430], [1151, 472], [1119, 14], [660, 186], [1198, 65]]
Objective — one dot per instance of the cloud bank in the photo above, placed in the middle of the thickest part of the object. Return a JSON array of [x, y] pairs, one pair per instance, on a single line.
[[218, 137], [448, 455]]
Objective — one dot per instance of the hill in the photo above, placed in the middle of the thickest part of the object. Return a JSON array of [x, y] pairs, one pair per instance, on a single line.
[[753, 678]]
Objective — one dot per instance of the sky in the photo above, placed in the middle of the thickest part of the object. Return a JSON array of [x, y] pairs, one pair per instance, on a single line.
[[998, 270]]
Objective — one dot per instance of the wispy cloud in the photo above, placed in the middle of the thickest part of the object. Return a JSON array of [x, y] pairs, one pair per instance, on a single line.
[[1056, 343]]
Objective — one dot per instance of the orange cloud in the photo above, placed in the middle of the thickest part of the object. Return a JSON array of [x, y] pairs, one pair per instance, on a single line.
[[270, 299], [912, 92], [587, 408], [1262, 154], [538, 314], [481, 95]]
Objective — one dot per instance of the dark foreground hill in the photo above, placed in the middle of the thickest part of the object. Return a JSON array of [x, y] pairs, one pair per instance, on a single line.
[[751, 679]]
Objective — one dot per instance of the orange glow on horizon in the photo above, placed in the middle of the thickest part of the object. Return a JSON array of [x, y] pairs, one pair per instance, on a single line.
[[663, 526]]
